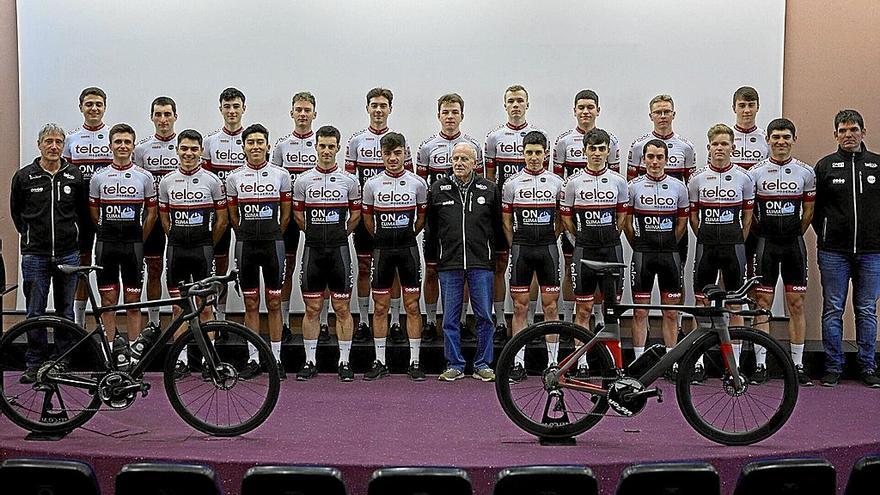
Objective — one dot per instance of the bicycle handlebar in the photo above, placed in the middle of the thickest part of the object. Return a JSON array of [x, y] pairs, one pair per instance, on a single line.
[[209, 286], [742, 291]]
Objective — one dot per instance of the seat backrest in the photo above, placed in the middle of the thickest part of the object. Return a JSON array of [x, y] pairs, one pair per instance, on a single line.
[[292, 480], [546, 480], [673, 478], [865, 476], [55, 476], [419, 481], [802, 476], [156, 478]]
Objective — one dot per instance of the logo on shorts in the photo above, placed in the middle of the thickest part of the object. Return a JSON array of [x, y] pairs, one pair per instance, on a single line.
[[445, 187], [481, 200], [839, 181], [871, 179]]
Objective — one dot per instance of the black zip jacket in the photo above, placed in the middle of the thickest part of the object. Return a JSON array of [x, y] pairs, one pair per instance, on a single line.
[[49, 210], [466, 224], [847, 211]]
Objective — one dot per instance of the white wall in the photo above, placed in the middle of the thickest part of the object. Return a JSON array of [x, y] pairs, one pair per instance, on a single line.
[[627, 50]]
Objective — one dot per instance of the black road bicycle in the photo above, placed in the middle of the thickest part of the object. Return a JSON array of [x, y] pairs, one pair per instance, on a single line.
[[78, 374], [565, 395]]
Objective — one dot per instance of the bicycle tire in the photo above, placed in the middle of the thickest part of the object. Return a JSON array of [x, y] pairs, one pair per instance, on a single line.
[[48, 407], [223, 409], [774, 400], [521, 401]]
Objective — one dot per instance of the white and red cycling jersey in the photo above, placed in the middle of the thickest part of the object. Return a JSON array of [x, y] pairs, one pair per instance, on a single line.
[[720, 197], [223, 152], [395, 200], [504, 150], [191, 199], [532, 198], [749, 146], [121, 195], [781, 189], [434, 158], [157, 155], [593, 199], [88, 148], [295, 153], [681, 159], [363, 155], [568, 153], [326, 199], [257, 192]]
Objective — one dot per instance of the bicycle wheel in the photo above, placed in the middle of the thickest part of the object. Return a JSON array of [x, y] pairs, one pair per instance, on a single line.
[[727, 416], [45, 405], [551, 411], [231, 406]]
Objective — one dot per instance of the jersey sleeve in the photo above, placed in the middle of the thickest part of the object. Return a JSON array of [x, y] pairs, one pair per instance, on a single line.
[[368, 198], [634, 160], [217, 194], [683, 202], [286, 187], [298, 195], [276, 155], [690, 160], [809, 184], [693, 187], [163, 196], [351, 155], [566, 199], [407, 158], [138, 156], [422, 196], [354, 194], [559, 156], [480, 166], [631, 203], [622, 195], [150, 193], [490, 151], [748, 192], [95, 191], [507, 197], [231, 190], [422, 159], [66, 153], [614, 154], [206, 154]]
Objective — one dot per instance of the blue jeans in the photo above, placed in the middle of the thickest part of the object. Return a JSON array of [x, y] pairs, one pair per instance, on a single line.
[[837, 269], [38, 273], [480, 285]]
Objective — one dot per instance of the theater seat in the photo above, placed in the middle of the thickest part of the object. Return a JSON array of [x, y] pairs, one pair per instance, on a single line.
[[865, 477], [673, 478], [284, 480], [419, 481], [47, 476], [546, 480], [807, 476], [156, 478]]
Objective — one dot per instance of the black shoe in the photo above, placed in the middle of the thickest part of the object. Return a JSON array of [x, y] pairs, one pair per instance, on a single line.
[[759, 376], [415, 372], [396, 334], [500, 335], [671, 374], [324, 334], [309, 370], [803, 377], [345, 372], [377, 371], [517, 373], [699, 375], [250, 370], [869, 379], [286, 334], [467, 335], [362, 333], [181, 371], [282, 373], [831, 379], [429, 332], [29, 376]]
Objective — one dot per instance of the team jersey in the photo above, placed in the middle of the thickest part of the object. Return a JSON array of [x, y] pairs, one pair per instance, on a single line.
[[88, 149], [295, 153], [504, 150], [121, 196], [749, 146], [655, 206], [531, 199], [594, 199], [781, 189], [190, 198], [363, 155], [326, 198], [157, 155], [434, 158], [720, 197], [680, 162], [257, 192], [223, 152], [394, 201], [568, 153]]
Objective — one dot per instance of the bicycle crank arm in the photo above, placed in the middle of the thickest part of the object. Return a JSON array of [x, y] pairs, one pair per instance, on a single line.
[[644, 394]]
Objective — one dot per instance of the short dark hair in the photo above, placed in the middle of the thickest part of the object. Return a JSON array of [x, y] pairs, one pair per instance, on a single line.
[[254, 129], [377, 92], [230, 94], [92, 91], [162, 101], [746, 93], [586, 94], [121, 128], [535, 137], [848, 115], [328, 131], [392, 140], [781, 125], [190, 134], [596, 136], [304, 96], [657, 143], [451, 98]]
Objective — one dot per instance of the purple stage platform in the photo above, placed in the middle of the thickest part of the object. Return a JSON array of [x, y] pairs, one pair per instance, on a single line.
[[361, 426]]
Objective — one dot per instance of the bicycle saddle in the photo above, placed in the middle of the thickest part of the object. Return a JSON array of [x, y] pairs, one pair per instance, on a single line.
[[604, 266], [714, 293], [71, 269]]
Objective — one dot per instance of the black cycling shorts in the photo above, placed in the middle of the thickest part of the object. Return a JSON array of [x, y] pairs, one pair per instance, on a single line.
[[787, 257], [729, 259], [683, 249], [86, 240], [567, 246], [251, 257], [325, 268], [526, 262], [187, 264], [404, 261], [154, 246], [221, 249], [291, 238], [120, 259], [751, 246], [363, 241], [666, 267], [584, 281]]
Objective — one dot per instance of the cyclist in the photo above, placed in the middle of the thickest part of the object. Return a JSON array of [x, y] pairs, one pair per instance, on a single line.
[[721, 196], [157, 154], [393, 211], [258, 196], [656, 219], [785, 190], [749, 141], [529, 201], [123, 206], [434, 160], [326, 205]]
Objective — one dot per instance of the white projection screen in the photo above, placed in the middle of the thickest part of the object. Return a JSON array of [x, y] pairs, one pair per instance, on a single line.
[[626, 50]]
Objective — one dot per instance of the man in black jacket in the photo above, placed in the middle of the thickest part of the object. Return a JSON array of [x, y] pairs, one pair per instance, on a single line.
[[464, 218], [49, 205], [845, 221]]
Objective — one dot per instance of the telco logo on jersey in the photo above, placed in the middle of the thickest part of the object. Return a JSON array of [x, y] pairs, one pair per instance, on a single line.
[[91, 149], [161, 161], [656, 200], [301, 158], [230, 156], [778, 185], [395, 197], [588, 195], [119, 189], [323, 193], [719, 192], [535, 194], [510, 148], [745, 153], [186, 195], [257, 188]]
